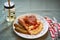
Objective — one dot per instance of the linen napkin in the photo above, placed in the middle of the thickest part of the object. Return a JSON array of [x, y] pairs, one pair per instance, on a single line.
[[54, 27]]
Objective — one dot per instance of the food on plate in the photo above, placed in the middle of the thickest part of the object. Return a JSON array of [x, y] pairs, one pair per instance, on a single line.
[[29, 24], [20, 29]]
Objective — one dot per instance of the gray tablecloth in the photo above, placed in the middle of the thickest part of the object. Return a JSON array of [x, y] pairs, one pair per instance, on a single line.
[[41, 7]]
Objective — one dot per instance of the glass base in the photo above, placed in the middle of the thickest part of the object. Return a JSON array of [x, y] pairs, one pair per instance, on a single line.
[[10, 19]]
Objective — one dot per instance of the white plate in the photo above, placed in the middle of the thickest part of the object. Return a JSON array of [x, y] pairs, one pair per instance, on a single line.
[[45, 28]]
